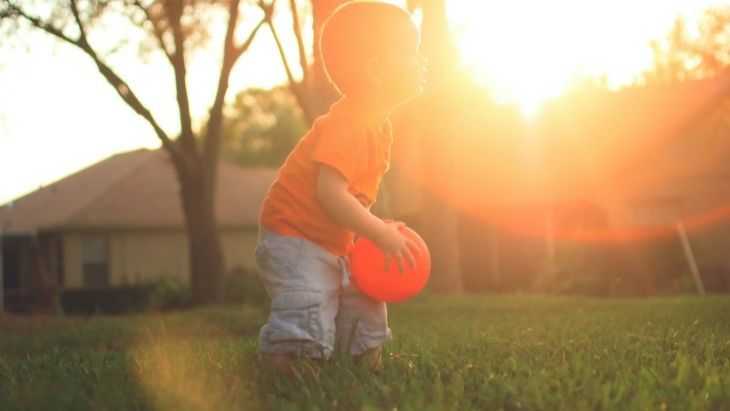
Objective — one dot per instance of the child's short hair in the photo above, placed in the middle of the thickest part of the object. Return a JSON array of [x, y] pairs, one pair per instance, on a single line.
[[358, 31]]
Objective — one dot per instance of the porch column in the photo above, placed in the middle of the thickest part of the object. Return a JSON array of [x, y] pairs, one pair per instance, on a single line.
[[494, 254], [550, 234]]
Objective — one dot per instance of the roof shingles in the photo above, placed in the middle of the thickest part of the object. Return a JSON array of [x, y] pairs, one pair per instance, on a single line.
[[137, 189]]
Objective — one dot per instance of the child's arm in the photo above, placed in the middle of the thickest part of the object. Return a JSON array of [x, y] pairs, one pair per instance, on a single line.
[[342, 206]]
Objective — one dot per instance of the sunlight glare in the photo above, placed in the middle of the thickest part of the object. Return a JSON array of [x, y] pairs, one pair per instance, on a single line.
[[529, 51]]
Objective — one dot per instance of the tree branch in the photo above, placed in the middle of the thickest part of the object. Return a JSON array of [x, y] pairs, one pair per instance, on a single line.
[[77, 18], [212, 138], [295, 86], [282, 54], [300, 40], [187, 139], [6, 13], [239, 50], [159, 35], [120, 86], [231, 53]]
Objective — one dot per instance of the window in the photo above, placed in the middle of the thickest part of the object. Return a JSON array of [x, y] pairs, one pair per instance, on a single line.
[[95, 254], [11, 261]]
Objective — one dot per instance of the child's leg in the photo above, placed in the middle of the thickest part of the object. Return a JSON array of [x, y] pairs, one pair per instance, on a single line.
[[370, 321], [303, 281]]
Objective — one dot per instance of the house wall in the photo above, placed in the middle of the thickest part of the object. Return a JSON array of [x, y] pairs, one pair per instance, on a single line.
[[136, 257], [140, 257], [238, 248]]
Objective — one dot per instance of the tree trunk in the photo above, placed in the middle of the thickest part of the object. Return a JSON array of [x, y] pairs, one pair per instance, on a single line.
[[437, 111], [207, 267], [441, 233], [321, 92]]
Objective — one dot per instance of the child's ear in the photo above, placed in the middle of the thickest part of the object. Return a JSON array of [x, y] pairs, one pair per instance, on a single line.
[[373, 72]]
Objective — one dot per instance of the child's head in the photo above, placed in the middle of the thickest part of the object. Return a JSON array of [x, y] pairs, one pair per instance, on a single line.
[[371, 46]]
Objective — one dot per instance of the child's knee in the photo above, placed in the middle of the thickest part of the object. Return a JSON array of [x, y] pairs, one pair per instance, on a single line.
[[298, 325]]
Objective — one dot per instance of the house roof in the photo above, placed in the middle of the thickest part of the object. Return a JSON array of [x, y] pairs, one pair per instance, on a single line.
[[136, 189]]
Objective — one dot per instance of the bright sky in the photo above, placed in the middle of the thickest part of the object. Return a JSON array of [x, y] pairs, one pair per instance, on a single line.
[[58, 115], [528, 51]]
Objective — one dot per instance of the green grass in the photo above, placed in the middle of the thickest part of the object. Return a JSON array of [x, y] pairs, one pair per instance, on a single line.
[[479, 352]]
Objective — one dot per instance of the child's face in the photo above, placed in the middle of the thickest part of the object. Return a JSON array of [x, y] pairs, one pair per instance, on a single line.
[[403, 70]]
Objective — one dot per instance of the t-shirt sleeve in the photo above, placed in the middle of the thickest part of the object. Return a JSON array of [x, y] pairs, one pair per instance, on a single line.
[[342, 148]]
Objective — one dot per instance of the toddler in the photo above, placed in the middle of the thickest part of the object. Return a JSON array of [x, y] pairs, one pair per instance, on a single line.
[[322, 195]]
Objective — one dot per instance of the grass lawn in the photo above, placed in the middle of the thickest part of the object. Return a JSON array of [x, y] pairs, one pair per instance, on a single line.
[[517, 352]]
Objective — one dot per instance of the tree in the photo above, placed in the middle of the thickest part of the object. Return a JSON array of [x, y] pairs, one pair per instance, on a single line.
[[313, 91], [174, 28], [436, 109], [683, 57], [261, 127]]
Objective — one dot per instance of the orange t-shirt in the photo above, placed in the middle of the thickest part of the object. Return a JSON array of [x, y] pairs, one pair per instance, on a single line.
[[342, 139]]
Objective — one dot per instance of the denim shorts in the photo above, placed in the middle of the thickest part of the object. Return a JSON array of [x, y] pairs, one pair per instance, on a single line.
[[314, 305]]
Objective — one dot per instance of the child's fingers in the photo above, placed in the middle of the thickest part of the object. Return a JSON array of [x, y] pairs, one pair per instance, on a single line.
[[413, 248], [401, 267], [410, 257], [388, 259], [409, 252]]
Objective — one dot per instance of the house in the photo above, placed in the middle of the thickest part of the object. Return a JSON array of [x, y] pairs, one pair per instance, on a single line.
[[615, 190], [120, 222]]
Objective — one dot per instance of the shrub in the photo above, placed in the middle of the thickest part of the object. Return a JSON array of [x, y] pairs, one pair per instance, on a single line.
[[164, 293], [109, 300], [243, 286]]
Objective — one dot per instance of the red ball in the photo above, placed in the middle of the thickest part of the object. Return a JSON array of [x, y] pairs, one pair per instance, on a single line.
[[366, 265]]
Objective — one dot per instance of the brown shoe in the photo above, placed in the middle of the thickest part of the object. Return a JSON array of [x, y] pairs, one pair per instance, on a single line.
[[281, 362], [371, 358]]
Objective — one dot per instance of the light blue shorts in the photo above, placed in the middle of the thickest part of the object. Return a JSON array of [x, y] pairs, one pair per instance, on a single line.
[[314, 305]]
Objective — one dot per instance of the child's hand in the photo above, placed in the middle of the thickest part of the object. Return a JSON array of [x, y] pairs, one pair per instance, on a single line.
[[395, 244]]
